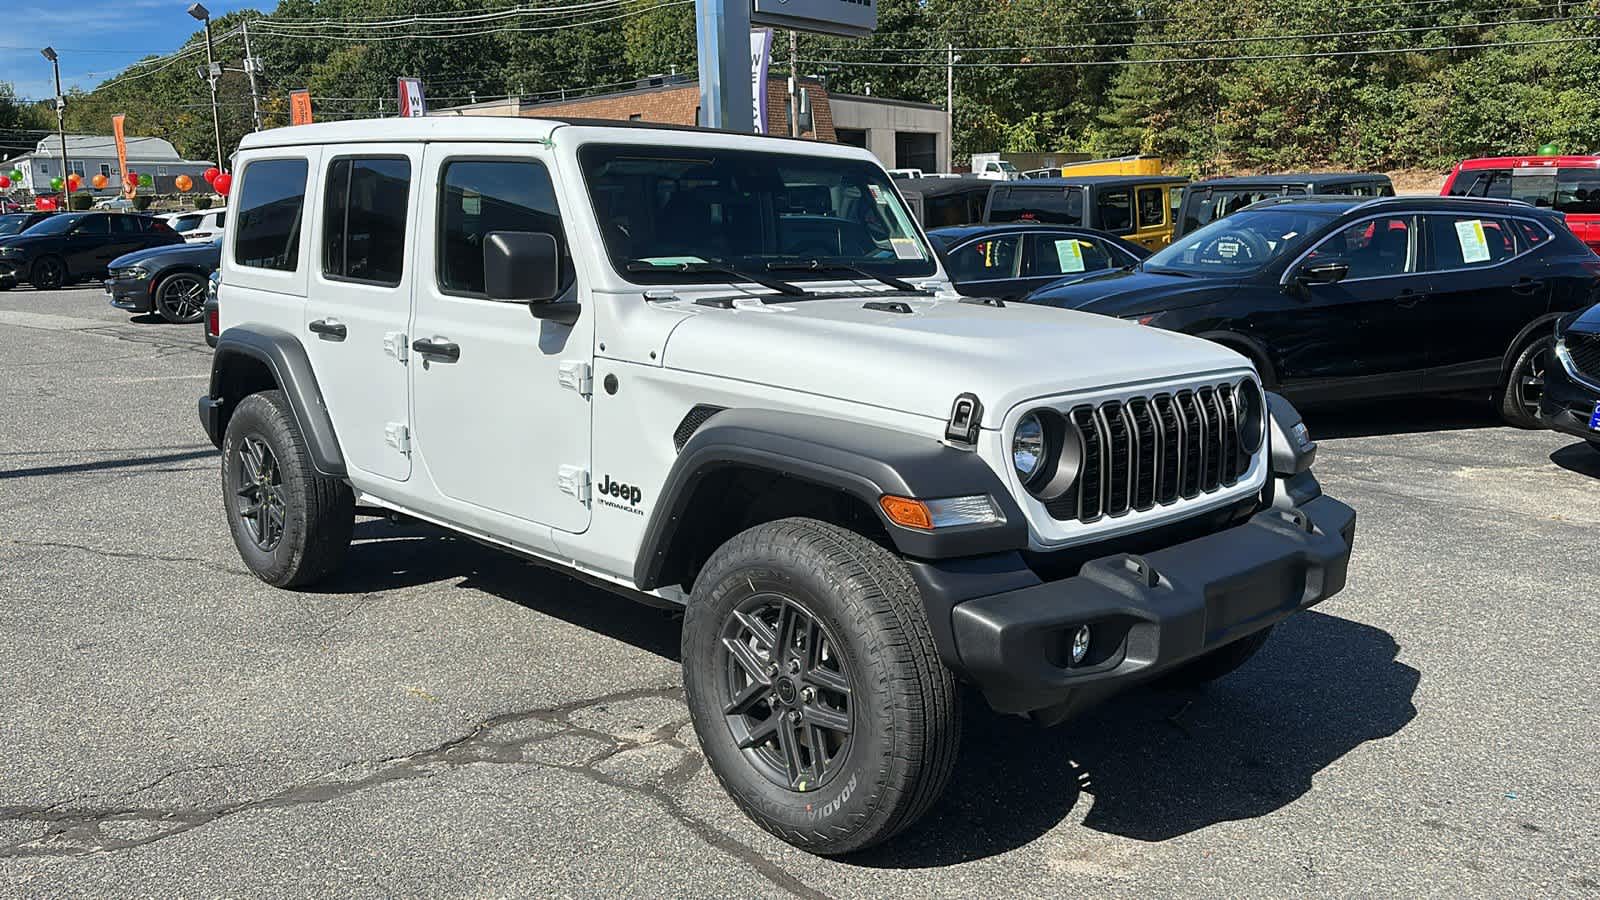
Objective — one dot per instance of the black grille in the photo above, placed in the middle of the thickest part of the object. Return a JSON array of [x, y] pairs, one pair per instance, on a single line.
[[1584, 350], [692, 420], [1150, 451]]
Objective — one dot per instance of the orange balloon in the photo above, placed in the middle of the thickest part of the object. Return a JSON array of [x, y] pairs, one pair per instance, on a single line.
[[99, 181], [183, 182]]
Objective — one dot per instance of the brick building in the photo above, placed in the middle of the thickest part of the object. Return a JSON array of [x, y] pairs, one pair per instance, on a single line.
[[901, 133]]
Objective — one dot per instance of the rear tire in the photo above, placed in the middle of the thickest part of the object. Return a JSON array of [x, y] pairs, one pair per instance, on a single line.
[[1219, 662], [291, 524], [1518, 398], [857, 624], [181, 298]]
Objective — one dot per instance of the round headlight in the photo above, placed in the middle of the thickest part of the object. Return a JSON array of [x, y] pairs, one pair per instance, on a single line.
[[1252, 415], [1028, 447]]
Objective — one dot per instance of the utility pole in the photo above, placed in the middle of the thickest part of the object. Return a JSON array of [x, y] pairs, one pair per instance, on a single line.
[[251, 64], [722, 41], [794, 83], [950, 99], [61, 120], [204, 15]]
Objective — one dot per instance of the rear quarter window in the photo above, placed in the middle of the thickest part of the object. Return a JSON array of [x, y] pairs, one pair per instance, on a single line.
[[272, 197]]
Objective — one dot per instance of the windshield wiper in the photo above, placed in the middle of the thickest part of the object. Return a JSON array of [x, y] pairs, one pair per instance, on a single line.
[[826, 265], [782, 287], [1163, 270]]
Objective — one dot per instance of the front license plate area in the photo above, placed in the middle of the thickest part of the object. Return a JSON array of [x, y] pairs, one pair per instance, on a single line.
[[1594, 418]]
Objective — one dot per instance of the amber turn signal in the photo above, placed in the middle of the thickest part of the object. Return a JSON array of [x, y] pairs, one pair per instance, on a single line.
[[907, 512]]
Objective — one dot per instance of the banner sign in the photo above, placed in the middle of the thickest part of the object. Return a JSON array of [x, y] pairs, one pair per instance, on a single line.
[[128, 190], [760, 63], [299, 107], [850, 18], [411, 102]]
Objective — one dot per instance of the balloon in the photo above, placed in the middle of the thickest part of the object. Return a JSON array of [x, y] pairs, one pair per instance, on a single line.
[[55, 183], [210, 175], [74, 181], [99, 181], [5, 182], [183, 182], [222, 182], [1549, 150], [146, 180], [16, 175]]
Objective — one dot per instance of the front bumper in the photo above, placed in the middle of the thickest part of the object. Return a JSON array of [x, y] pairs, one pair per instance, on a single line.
[[1567, 404], [131, 294], [1148, 613], [10, 272]]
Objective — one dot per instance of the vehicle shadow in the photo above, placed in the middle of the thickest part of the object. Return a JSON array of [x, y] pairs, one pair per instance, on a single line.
[[1578, 457], [1157, 763], [1380, 417], [1160, 764]]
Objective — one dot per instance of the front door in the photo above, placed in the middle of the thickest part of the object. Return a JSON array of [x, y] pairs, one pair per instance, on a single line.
[[1483, 293], [87, 244], [358, 301], [501, 421]]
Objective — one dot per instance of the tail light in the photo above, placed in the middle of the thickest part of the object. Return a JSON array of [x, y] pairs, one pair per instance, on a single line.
[[213, 322]]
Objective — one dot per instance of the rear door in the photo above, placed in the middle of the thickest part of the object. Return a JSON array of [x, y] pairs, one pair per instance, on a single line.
[[1152, 227], [85, 246], [128, 233], [358, 299], [1485, 286], [986, 267], [1049, 256]]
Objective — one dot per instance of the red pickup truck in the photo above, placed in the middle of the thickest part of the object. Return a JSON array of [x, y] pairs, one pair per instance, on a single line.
[[1568, 184]]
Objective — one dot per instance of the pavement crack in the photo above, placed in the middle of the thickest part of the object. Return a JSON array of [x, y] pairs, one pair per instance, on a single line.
[[128, 554]]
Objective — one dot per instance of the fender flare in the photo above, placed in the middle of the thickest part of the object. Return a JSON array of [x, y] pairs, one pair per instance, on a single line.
[[862, 461], [283, 355]]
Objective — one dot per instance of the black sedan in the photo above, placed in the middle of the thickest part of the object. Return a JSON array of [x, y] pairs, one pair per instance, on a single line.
[[169, 280], [18, 222], [1010, 261], [1570, 399], [72, 246], [1339, 298]]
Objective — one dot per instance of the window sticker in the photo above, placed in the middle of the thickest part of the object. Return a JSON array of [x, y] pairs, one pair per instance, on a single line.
[[1069, 255], [1474, 245], [906, 248]]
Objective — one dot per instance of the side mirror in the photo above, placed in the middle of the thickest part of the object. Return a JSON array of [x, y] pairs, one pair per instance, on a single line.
[[525, 267], [1324, 271]]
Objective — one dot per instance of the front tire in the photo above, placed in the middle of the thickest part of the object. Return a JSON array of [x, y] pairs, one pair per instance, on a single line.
[[49, 273], [292, 525], [815, 687], [181, 298], [1519, 397]]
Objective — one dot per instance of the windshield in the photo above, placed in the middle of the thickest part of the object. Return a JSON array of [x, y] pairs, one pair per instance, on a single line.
[[1243, 242], [55, 225], [13, 223], [1210, 205], [674, 208]]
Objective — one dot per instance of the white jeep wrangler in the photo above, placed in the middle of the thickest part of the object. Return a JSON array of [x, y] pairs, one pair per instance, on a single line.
[[728, 372]]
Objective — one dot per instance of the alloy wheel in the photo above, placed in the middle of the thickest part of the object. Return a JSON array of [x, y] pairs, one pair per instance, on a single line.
[[48, 274], [786, 691], [183, 296], [1529, 381], [259, 484]]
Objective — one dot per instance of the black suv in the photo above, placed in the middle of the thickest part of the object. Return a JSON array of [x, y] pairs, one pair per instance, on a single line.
[[72, 246], [1341, 298]]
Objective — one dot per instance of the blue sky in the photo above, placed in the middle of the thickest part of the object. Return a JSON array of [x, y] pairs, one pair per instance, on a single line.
[[95, 39]]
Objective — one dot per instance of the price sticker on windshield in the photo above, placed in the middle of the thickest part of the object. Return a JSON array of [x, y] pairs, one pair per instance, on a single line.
[[906, 248], [1069, 255], [1474, 244]]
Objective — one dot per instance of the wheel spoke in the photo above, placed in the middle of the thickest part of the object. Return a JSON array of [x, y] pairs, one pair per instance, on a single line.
[[752, 664], [789, 744], [745, 700], [826, 717], [275, 517], [828, 680], [760, 631], [762, 732], [818, 742]]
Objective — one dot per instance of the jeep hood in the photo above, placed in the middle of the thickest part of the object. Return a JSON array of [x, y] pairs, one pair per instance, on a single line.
[[919, 362]]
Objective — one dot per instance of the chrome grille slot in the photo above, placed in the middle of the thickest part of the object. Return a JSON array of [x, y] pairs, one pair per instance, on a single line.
[[1145, 452]]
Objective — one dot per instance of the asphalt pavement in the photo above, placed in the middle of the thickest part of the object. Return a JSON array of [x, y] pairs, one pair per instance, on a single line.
[[441, 719]]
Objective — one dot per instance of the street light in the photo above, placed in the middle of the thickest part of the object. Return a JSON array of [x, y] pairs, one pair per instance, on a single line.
[[61, 113], [200, 13]]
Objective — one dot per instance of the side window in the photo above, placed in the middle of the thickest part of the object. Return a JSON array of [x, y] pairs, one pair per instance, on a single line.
[[272, 198], [1578, 191], [222, 219], [1533, 234], [95, 224], [364, 219], [185, 223], [1152, 209], [1538, 189], [1064, 254], [1376, 247], [986, 260], [1462, 242], [480, 196], [125, 225], [1114, 212]]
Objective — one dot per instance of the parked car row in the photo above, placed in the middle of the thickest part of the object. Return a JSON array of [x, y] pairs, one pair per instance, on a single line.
[[68, 247]]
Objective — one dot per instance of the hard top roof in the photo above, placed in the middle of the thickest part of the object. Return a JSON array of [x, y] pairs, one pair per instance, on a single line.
[[1509, 162], [1096, 181], [1312, 179]]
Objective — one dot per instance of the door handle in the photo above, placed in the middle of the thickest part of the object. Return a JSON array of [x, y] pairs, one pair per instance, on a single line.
[[444, 350], [1526, 285], [331, 329], [1409, 298]]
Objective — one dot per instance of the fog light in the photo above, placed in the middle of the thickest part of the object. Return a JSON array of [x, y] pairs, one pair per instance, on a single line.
[[1080, 644]]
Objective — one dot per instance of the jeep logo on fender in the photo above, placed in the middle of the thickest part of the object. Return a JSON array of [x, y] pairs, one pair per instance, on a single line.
[[621, 491]]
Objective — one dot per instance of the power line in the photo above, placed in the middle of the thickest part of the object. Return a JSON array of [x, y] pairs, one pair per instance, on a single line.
[[447, 35]]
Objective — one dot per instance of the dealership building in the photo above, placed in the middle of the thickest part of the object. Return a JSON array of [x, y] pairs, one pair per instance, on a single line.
[[903, 134], [91, 154]]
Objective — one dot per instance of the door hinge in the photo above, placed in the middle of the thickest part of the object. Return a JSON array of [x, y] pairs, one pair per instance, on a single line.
[[576, 375], [574, 480], [398, 436], [394, 344]]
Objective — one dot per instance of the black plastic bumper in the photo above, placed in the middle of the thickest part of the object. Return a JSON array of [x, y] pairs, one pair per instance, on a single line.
[[1567, 405], [1150, 612], [211, 419], [132, 295]]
